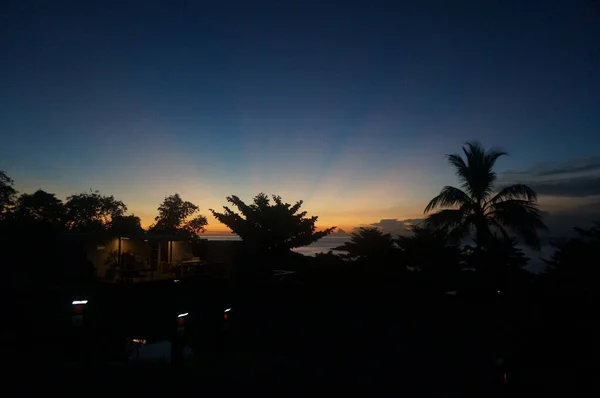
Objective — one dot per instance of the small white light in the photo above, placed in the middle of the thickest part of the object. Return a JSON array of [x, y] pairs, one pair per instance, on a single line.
[[78, 302], [176, 280], [499, 292], [182, 315], [227, 310]]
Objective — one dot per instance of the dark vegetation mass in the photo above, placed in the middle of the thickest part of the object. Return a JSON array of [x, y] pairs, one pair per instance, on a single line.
[[380, 308]]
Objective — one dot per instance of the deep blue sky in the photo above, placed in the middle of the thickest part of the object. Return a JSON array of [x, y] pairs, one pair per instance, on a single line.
[[350, 106]]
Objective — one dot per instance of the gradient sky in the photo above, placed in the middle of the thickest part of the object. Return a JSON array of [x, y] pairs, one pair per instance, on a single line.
[[349, 106]]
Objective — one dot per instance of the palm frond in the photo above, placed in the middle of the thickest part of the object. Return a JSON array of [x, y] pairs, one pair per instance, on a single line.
[[456, 234], [511, 192], [493, 154], [480, 174], [521, 216], [450, 220], [444, 218], [449, 197], [461, 169], [473, 151], [494, 223]]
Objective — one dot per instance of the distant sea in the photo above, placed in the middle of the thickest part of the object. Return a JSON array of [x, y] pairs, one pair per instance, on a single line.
[[321, 246], [328, 243]]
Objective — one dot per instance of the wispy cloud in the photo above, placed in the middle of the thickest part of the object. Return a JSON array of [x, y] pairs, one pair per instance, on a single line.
[[576, 178], [577, 167], [579, 187], [569, 192]]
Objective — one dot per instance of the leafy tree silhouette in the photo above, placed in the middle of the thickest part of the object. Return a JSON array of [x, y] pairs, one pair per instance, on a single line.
[[125, 225], [428, 251], [92, 212], [502, 264], [573, 267], [175, 217], [41, 207], [368, 244], [34, 226], [475, 207], [7, 194], [274, 227]]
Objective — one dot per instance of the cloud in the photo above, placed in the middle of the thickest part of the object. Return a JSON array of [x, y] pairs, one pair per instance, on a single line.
[[582, 186], [554, 169], [576, 178], [569, 191], [589, 165]]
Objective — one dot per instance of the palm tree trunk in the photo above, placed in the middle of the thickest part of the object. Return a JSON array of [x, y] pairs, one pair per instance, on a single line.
[[484, 238]]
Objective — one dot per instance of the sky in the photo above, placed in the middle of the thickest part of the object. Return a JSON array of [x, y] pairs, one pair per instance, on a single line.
[[348, 106]]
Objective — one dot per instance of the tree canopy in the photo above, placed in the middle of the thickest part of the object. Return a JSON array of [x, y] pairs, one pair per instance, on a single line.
[[273, 226], [175, 216], [92, 212], [125, 225], [7, 193], [42, 207], [573, 267], [476, 206], [368, 244], [428, 250]]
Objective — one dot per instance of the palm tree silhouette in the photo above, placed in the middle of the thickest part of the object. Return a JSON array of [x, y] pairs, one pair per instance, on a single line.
[[476, 208]]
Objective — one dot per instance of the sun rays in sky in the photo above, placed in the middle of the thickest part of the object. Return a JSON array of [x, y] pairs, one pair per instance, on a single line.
[[347, 180], [351, 110], [343, 181]]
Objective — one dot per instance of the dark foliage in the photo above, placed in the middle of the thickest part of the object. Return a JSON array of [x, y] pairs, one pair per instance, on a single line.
[[369, 244], [41, 207], [176, 216], [273, 227], [92, 212], [7, 193], [573, 269], [125, 225], [428, 252]]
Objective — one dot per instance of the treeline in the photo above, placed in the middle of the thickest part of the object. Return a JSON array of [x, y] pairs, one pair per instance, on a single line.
[[493, 217], [92, 212]]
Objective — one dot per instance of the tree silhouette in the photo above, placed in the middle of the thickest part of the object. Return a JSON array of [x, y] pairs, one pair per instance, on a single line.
[[7, 193], [174, 217], [92, 212], [475, 207], [275, 227], [501, 265], [573, 267], [125, 225], [368, 244], [508, 255], [41, 207], [429, 251]]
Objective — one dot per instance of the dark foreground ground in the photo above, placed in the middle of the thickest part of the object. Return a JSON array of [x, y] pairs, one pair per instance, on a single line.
[[368, 339]]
